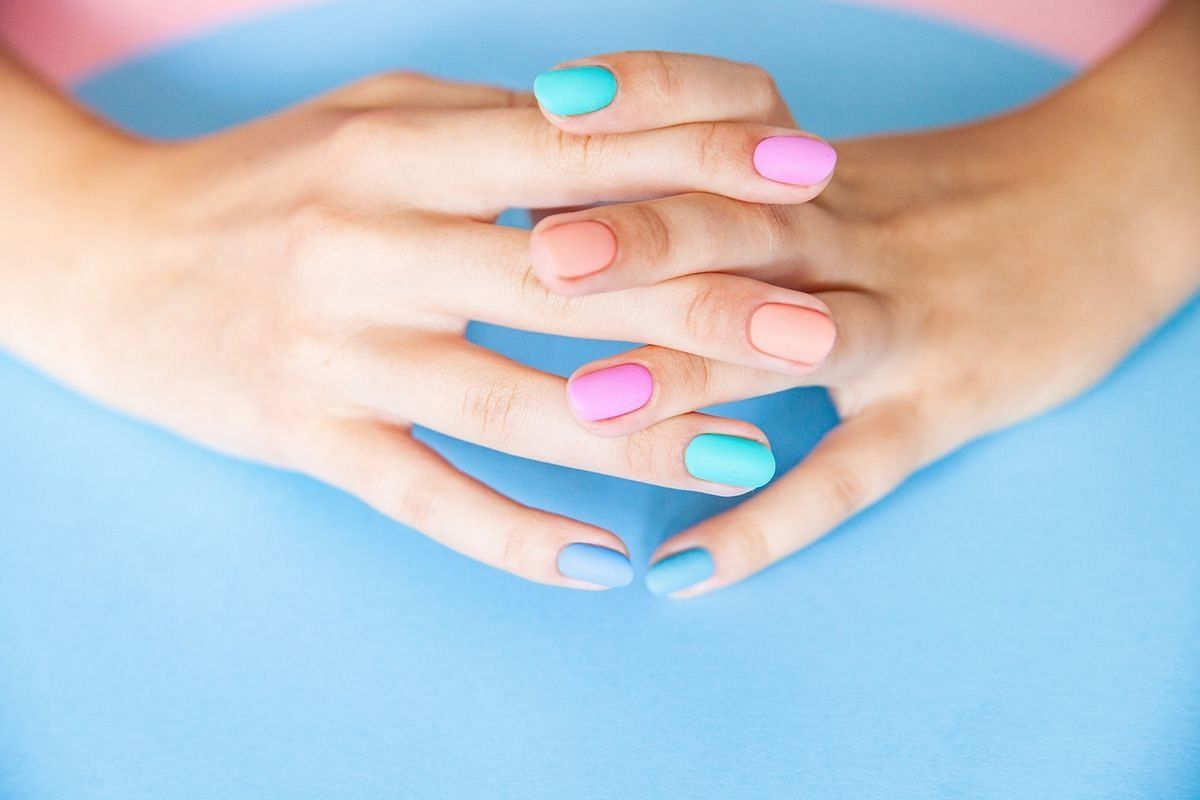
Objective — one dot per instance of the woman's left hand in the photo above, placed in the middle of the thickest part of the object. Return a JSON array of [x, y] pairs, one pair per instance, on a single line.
[[976, 276]]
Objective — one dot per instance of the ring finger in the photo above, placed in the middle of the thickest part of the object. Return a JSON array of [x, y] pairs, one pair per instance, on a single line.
[[479, 396]]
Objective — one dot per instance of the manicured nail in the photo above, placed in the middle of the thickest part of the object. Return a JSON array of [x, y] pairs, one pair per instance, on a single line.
[[571, 91], [573, 249], [794, 159], [730, 460], [595, 564], [799, 334], [679, 571], [611, 392]]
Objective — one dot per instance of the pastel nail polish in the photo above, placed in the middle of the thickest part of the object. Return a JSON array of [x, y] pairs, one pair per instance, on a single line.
[[799, 334], [794, 159], [572, 91], [573, 249], [611, 392], [679, 571], [595, 564], [731, 460]]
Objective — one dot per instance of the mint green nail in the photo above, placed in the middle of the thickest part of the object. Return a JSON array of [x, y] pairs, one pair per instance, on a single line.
[[575, 90], [680, 571], [730, 460]]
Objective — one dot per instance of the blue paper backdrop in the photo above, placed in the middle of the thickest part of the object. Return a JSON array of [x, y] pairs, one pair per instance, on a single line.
[[1018, 621]]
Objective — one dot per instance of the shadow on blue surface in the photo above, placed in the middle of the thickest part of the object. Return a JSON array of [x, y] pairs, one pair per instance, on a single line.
[[1018, 621]]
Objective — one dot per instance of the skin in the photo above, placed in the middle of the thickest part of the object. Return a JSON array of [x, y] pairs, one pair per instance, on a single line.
[[276, 291], [977, 275]]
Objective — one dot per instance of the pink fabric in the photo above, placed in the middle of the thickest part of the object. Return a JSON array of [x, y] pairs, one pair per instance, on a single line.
[[68, 40], [71, 39], [1079, 31]]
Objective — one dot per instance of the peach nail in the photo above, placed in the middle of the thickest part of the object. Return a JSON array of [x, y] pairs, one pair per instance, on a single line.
[[799, 334], [573, 249]]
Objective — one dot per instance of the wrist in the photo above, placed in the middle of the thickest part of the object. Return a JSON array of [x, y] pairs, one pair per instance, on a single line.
[[59, 238]]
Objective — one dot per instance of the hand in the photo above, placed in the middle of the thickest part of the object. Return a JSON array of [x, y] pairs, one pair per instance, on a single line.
[[976, 276], [295, 291]]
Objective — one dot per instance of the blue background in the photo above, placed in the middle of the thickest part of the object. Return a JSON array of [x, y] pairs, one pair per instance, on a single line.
[[1018, 621]]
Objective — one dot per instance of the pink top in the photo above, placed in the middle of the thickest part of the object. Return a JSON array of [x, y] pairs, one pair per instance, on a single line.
[[71, 39]]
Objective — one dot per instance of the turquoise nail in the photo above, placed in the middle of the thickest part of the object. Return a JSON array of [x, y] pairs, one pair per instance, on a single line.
[[679, 571], [595, 564], [730, 460], [575, 90]]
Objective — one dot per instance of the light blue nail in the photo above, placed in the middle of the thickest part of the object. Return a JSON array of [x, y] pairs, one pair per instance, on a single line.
[[572, 91], [595, 564], [730, 460], [679, 571]]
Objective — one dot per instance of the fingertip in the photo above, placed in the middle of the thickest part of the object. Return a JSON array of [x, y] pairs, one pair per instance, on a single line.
[[574, 90], [680, 573], [795, 160], [562, 252], [734, 461], [610, 391], [594, 565]]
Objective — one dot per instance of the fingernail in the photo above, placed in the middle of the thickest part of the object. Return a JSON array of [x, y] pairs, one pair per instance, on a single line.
[[794, 159], [595, 564], [571, 91], [611, 392], [796, 333], [573, 249], [680, 571], [730, 460]]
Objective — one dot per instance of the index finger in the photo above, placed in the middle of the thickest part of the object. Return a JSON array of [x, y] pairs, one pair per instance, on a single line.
[[633, 91]]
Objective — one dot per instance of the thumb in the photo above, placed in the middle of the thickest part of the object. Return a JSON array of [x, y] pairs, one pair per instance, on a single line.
[[858, 462]]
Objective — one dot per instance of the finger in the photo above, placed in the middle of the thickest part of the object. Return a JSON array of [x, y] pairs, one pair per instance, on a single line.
[[481, 272], [632, 391], [492, 159], [416, 90], [477, 395], [632, 91], [614, 247], [858, 462], [410, 483]]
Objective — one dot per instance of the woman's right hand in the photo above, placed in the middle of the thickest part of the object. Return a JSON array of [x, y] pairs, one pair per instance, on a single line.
[[296, 290]]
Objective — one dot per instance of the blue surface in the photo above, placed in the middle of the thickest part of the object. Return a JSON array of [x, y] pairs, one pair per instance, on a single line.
[[1019, 621]]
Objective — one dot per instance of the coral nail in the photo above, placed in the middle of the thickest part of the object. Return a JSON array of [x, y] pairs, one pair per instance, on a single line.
[[573, 249], [799, 334]]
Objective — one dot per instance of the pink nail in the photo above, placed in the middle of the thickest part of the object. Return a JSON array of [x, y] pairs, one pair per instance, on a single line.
[[799, 334], [611, 392], [794, 159]]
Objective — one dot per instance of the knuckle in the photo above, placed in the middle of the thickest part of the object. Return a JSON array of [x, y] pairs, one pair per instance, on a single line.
[[362, 137], [516, 552], [393, 83], [491, 407], [774, 227], [571, 154], [709, 146], [651, 233], [661, 75], [692, 375], [747, 540], [843, 489], [761, 86], [708, 311], [511, 98], [642, 456], [540, 304], [412, 503], [314, 252]]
